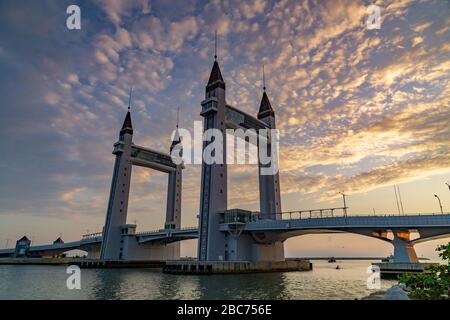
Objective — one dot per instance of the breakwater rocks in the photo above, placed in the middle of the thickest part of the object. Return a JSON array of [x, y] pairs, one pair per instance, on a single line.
[[396, 292]]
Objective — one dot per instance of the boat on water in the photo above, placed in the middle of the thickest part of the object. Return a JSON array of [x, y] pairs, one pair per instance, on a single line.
[[389, 258]]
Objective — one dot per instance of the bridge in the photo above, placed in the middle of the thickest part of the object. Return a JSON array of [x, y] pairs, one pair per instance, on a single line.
[[398, 230], [89, 244], [403, 231], [226, 234]]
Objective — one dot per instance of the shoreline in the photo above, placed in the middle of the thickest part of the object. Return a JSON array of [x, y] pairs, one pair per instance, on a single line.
[[396, 292]]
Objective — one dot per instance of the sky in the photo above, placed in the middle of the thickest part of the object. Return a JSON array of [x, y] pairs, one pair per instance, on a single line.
[[358, 110]]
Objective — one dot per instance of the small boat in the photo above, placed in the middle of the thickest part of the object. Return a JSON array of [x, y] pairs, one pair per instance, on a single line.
[[331, 260]]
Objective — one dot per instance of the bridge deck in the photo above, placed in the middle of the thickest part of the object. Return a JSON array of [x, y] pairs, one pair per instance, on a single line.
[[309, 223], [407, 221]]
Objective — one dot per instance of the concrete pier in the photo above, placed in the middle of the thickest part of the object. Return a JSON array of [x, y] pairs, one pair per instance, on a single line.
[[234, 267], [391, 270], [84, 263], [94, 264], [36, 261]]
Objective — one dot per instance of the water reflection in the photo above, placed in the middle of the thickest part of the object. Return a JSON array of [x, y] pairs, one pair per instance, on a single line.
[[106, 284], [242, 286], [324, 282]]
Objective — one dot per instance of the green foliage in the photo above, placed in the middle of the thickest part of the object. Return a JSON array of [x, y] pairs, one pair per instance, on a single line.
[[433, 284]]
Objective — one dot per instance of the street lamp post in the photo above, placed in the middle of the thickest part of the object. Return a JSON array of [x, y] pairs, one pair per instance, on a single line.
[[440, 204], [345, 205]]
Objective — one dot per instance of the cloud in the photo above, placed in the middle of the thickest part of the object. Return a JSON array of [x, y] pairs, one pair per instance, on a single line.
[[422, 26], [416, 41], [117, 9], [400, 172], [71, 194], [251, 8], [156, 34], [357, 109]]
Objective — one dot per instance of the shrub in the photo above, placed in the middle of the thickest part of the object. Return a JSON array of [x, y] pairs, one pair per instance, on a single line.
[[435, 283]]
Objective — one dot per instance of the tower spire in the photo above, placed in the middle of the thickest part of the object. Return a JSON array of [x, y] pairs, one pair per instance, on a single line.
[[264, 78], [215, 78], [129, 100], [265, 108], [176, 138], [215, 45], [127, 127]]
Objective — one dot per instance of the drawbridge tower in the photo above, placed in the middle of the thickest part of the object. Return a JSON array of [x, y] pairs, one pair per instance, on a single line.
[[119, 241], [214, 244], [213, 199], [116, 215], [269, 185]]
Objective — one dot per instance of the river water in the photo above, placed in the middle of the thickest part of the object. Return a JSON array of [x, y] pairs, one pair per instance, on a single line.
[[324, 282]]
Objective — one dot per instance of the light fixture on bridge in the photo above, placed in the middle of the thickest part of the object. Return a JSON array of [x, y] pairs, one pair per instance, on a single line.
[[440, 204], [345, 205]]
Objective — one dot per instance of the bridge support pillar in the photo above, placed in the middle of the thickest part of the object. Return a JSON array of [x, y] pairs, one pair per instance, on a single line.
[[116, 216], [150, 251], [93, 252], [173, 209], [243, 247], [268, 252], [213, 189], [269, 178], [403, 247], [269, 186]]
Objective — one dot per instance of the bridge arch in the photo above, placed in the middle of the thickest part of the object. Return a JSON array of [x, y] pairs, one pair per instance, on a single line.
[[399, 227]]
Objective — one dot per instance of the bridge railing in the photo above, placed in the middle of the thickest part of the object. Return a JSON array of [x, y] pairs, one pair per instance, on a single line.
[[189, 228], [309, 213], [165, 230], [92, 235], [147, 232], [339, 212]]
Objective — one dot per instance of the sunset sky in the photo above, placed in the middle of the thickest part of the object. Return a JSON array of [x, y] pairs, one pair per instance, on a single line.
[[358, 110]]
